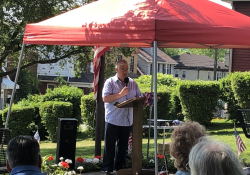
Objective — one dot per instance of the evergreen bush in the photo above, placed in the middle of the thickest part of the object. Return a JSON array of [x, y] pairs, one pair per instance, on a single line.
[[50, 111], [240, 82], [67, 94], [227, 95], [199, 99], [20, 121]]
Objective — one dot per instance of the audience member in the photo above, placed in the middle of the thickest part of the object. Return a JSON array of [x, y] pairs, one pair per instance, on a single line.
[[23, 156], [216, 158], [183, 139]]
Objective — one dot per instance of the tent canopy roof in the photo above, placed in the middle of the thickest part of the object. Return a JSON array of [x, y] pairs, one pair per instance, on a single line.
[[137, 23]]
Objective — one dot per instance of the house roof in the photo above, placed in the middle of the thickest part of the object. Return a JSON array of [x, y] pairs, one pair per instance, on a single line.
[[191, 61], [85, 78], [161, 56]]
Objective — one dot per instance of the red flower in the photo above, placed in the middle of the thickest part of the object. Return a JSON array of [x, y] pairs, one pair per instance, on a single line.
[[65, 165], [50, 158], [79, 159], [102, 155], [160, 156], [98, 157]]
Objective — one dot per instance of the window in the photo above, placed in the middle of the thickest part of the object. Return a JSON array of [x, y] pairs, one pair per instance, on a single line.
[[208, 76], [119, 57], [159, 67], [176, 73], [151, 69], [163, 68], [168, 69], [183, 74], [225, 74], [132, 64], [51, 86], [218, 76]]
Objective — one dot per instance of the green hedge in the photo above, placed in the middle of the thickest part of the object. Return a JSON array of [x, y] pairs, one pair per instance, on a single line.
[[50, 111], [199, 99], [67, 94], [176, 109], [35, 101], [88, 108], [227, 95], [20, 120], [240, 82]]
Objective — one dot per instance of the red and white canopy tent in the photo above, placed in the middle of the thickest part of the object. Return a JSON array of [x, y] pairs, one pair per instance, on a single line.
[[144, 23]]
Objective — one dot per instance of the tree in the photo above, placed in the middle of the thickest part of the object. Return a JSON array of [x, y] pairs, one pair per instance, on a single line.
[[28, 84], [15, 14], [172, 51], [209, 52]]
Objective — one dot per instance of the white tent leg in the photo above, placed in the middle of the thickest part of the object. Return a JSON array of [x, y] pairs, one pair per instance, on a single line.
[[155, 105], [14, 89]]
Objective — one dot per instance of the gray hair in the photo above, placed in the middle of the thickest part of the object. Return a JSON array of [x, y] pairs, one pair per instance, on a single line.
[[211, 157], [119, 62], [23, 150]]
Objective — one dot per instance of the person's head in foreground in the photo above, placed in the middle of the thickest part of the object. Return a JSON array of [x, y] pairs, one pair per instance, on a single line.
[[183, 139], [23, 150], [216, 158]]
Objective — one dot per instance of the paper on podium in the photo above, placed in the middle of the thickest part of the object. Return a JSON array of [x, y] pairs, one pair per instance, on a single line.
[[129, 103]]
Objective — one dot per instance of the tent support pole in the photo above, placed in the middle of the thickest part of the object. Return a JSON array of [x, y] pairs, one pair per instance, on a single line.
[[155, 106], [150, 112], [14, 89]]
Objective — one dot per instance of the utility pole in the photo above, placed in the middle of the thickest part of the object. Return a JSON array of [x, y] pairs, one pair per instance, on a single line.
[[215, 62]]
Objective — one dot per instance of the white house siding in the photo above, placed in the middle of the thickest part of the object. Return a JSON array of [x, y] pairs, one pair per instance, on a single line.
[[55, 69], [145, 67]]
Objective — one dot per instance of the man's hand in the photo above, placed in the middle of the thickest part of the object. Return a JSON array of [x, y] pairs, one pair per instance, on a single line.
[[114, 97], [124, 91]]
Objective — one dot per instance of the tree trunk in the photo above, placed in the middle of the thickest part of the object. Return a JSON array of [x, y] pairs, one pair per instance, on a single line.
[[215, 62]]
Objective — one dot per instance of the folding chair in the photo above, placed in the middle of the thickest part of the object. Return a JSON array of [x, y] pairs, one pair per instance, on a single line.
[[243, 116]]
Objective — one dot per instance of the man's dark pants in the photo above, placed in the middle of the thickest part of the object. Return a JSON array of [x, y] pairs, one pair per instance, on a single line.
[[115, 134]]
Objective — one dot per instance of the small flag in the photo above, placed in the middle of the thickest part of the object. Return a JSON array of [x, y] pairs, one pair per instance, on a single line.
[[130, 144], [163, 169], [37, 137], [99, 51], [240, 145]]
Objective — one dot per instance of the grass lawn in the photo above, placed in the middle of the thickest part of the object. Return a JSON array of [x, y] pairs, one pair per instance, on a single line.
[[220, 130]]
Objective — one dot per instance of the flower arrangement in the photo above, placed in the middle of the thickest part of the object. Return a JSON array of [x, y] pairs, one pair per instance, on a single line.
[[62, 168]]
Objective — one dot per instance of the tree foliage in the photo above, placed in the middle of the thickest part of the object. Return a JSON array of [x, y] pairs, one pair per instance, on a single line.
[[15, 14], [209, 52]]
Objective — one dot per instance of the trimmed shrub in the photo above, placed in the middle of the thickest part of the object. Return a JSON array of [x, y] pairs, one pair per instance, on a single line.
[[67, 94], [227, 95], [176, 109], [35, 102], [88, 108], [240, 82], [50, 111], [20, 120], [199, 99]]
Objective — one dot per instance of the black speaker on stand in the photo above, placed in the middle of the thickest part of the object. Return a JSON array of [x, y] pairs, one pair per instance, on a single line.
[[66, 140]]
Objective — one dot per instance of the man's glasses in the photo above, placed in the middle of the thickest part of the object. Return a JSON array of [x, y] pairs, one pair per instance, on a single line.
[[124, 70]]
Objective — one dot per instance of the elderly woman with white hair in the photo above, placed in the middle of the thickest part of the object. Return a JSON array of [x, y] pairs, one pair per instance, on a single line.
[[216, 158]]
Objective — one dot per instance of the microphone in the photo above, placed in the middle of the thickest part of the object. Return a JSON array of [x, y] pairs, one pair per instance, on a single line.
[[126, 80]]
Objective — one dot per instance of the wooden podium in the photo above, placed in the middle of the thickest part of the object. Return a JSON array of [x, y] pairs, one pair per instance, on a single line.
[[136, 103]]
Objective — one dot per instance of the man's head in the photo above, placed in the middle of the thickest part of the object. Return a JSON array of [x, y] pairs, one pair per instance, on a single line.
[[23, 150], [122, 69]]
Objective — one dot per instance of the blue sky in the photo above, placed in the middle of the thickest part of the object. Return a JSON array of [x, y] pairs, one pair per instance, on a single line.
[[228, 5]]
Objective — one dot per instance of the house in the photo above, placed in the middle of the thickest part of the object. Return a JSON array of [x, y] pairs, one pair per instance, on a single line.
[[48, 72], [239, 58], [165, 64], [194, 67]]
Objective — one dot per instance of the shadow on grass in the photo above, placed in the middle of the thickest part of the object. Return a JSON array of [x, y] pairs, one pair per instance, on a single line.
[[80, 151]]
